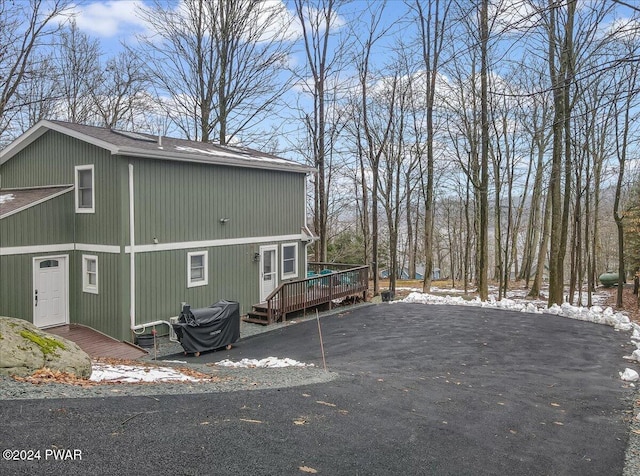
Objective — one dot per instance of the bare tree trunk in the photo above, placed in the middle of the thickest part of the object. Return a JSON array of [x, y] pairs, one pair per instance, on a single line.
[[431, 49], [483, 232], [622, 142], [542, 251], [560, 82]]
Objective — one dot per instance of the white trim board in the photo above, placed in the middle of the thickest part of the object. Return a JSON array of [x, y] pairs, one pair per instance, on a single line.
[[34, 249], [114, 249], [185, 245]]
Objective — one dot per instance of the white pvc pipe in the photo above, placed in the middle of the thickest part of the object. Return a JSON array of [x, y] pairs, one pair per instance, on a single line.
[[132, 254], [148, 324]]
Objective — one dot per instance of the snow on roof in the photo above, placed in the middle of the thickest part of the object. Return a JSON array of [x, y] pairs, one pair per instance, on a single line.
[[18, 199], [231, 154], [7, 197], [138, 144]]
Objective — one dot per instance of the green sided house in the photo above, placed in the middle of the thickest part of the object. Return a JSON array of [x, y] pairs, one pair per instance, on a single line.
[[114, 230]]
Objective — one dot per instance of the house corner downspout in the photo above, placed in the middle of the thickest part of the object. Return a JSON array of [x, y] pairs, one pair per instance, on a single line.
[[306, 228], [132, 254]]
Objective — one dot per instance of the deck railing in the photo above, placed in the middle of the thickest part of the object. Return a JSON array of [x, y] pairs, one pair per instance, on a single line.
[[326, 282]]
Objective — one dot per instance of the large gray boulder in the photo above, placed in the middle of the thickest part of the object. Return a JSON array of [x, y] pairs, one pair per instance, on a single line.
[[24, 349]]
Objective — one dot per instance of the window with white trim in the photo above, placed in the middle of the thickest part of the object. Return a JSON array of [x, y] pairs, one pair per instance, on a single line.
[[289, 260], [197, 269], [90, 274], [85, 189]]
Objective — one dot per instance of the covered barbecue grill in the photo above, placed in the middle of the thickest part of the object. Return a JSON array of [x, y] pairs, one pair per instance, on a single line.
[[208, 328]]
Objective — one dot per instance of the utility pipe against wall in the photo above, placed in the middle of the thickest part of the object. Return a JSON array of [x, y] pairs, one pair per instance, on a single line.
[[132, 254], [132, 264], [306, 229]]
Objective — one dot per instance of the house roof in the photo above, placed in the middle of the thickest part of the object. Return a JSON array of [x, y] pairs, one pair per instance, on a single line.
[[17, 199], [135, 144]]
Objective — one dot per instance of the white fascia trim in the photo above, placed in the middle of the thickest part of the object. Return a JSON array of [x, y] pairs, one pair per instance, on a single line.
[[114, 249], [98, 248], [35, 249], [212, 243], [40, 129], [228, 161]]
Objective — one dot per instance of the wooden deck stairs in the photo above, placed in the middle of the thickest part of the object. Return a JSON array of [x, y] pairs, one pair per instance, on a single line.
[[325, 284]]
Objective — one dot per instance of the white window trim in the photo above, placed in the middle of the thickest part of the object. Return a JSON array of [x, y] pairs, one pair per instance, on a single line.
[[205, 262], [86, 287], [78, 168], [294, 274]]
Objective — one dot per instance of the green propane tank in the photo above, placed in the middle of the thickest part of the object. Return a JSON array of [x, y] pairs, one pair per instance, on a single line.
[[608, 279]]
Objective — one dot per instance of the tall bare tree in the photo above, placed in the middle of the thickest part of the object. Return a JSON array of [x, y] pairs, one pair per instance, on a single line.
[[318, 21], [78, 67], [431, 18], [25, 27], [625, 114], [121, 98], [218, 65]]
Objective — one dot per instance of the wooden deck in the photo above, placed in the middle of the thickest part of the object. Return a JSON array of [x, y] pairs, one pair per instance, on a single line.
[[97, 344], [319, 289]]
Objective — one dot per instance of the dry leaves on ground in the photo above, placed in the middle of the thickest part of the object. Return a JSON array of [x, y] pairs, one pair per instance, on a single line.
[[46, 375]]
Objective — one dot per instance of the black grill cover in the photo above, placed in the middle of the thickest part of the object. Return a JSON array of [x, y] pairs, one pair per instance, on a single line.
[[208, 328]]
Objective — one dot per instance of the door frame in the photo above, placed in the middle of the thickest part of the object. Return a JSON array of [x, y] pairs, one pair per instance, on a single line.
[[66, 293], [264, 249]]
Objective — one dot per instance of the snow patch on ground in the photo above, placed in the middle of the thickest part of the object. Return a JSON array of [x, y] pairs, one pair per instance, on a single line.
[[136, 374], [6, 197], [269, 362], [596, 314]]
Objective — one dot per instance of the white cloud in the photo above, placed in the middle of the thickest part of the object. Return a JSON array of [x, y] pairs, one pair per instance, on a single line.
[[109, 19], [514, 15]]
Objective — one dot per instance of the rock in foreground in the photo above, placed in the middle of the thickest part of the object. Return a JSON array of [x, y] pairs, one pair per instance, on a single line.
[[24, 349]]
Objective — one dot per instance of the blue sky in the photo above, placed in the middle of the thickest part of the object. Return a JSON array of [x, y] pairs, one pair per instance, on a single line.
[[115, 21]]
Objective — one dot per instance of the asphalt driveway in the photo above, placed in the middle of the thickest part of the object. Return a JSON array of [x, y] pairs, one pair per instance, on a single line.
[[423, 389]]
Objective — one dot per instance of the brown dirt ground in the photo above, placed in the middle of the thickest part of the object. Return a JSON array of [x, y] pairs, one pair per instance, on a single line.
[[630, 303]]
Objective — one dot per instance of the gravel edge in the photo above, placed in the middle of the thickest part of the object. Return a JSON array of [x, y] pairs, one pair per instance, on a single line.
[[632, 454]]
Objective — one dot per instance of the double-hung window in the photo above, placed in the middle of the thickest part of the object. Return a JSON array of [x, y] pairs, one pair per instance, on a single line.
[[85, 189], [289, 260], [197, 269], [90, 274]]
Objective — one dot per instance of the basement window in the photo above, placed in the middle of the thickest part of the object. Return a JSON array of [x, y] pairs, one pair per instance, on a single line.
[[85, 190], [197, 269], [90, 274], [289, 260]]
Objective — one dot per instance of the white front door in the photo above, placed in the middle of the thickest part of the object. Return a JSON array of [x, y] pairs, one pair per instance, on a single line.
[[268, 270], [50, 291]]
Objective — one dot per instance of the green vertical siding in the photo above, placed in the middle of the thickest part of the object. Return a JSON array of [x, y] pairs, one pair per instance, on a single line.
[[100, 311], [16, 286], [161, 281], [47, 223], [175, 202], [51, 160], [178, 202]]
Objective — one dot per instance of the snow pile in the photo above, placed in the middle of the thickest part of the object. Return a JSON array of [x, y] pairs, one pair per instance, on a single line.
[[596, 314], [6, 198], [269, 362], [629, 375], [136, 374]]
